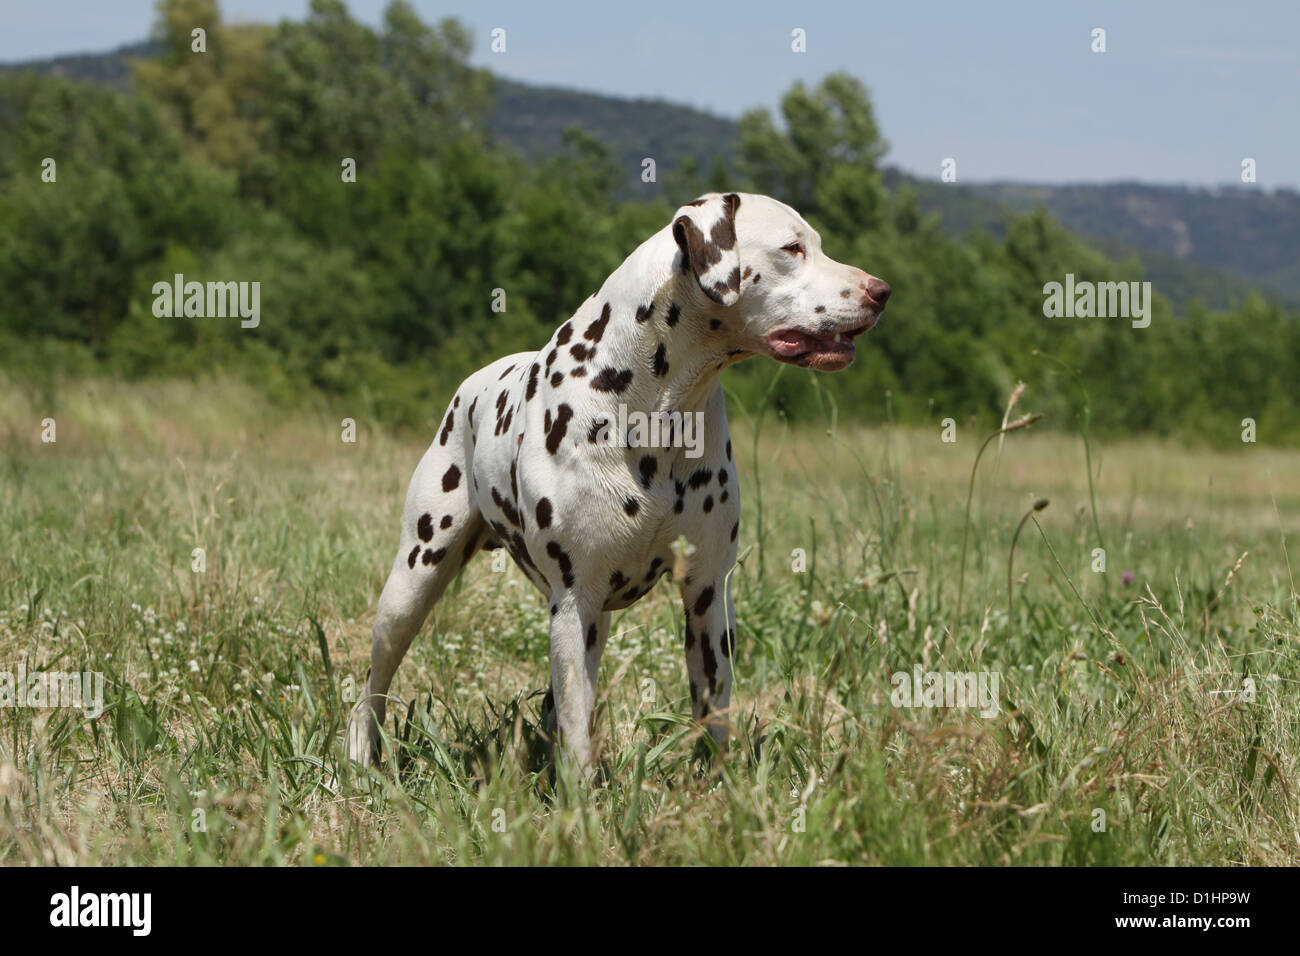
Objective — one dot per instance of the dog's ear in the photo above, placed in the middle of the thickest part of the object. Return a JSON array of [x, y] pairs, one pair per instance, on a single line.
[[705, 232]]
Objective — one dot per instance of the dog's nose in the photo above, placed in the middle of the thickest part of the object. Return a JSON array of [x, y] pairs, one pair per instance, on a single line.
[[877, 290]]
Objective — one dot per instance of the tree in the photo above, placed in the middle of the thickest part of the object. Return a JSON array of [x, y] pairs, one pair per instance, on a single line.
[[828, 151]]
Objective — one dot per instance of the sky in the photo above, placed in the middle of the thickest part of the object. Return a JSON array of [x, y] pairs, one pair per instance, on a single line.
[[1012, 91]]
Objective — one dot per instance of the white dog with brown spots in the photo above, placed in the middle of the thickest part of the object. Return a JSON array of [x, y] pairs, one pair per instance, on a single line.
[[525, 459]]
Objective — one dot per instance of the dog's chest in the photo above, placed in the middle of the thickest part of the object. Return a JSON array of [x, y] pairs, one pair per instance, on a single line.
[[582, 482]]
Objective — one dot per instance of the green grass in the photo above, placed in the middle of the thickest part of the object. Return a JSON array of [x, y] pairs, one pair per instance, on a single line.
[[226, 689]]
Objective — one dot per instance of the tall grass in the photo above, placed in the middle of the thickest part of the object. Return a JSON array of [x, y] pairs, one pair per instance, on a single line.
[[227, 690]]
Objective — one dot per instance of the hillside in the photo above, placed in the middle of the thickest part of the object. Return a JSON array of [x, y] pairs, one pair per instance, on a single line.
[[112, 69], [1216, 245], [533, 119]]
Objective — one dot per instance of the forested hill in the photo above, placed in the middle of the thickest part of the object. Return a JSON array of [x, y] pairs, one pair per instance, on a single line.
[[1215, 245]]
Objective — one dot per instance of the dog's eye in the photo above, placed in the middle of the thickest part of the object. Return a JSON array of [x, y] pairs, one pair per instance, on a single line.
[[795, 249]]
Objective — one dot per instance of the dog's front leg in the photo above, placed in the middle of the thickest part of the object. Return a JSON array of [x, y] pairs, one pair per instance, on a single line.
[[576, 638], [710, 637]]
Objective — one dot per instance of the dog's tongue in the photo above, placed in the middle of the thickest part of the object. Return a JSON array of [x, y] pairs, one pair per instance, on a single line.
[[810, 351], [789, 343]]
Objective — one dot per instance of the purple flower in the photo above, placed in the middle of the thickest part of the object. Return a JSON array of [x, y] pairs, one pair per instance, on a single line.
[[1127, 577]]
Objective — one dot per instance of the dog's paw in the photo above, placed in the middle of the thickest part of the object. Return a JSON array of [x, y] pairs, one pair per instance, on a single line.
[[363, 736]]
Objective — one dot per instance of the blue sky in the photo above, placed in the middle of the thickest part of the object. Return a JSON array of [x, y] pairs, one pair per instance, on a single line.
[[1010, 90]]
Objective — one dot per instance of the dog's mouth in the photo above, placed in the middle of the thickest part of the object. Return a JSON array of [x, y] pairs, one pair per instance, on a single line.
[[826, 353]]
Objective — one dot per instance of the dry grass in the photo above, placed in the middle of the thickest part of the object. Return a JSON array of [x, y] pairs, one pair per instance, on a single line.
[[220, 700]]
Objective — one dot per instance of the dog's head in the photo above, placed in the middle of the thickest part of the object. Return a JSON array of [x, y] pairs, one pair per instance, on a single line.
[[775, 290]]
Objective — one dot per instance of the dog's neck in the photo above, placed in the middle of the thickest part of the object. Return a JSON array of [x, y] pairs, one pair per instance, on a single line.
[[660, 316]]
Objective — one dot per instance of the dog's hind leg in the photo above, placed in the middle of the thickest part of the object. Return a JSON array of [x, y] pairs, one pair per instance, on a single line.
[[441, 528]]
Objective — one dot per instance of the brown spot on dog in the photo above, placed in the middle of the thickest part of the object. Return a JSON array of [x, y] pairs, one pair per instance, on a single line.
[[674, 313], [566, 332], [631, 506], [597, 328], [424, 527], [612, 380], [520, 550], [710, 662], [507, 508], [700, 477], [445, 523], [414, 556], [648, 466], [544, 513], [722, 288], [699, 255], [555, 434], [644, 312], [704, 600], [723, 233], [532, 382], [661, 360], [561, 558], [591, 635], [451, 478]]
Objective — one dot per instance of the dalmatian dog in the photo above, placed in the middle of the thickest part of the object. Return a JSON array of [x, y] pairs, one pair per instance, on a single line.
[[525, 459]]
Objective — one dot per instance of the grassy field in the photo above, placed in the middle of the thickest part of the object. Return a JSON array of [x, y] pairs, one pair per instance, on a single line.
[[227, 689]]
